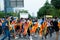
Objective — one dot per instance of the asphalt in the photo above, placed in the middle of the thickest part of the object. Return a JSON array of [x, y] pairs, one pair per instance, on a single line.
[[34, 37]]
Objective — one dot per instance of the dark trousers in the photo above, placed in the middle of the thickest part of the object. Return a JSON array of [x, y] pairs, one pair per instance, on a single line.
[[0, 30], [51, 30]]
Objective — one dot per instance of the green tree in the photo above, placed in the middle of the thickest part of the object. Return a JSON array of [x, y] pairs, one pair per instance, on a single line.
[[47, 9], [30, 16], [2, 14], [56, 3], [23, 11], [12, 14]]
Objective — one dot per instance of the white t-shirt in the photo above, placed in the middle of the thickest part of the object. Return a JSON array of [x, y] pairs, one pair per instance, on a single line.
[[48, 24]]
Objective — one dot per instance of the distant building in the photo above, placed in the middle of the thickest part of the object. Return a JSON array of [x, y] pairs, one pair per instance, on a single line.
[[0, 7], [9, 5]]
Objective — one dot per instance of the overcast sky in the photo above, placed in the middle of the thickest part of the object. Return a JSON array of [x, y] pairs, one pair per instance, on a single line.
[[31, 5]]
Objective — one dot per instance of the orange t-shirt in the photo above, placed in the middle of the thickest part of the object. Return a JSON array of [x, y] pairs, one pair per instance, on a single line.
[[26, 26], [42, 27], [34, 28]]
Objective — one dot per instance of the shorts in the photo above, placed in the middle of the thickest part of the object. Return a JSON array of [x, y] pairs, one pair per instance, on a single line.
[[56, 29], [17, 28]]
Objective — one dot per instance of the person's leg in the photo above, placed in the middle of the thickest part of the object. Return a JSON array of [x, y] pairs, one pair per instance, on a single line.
[[0, 30], [51, 32], [14, 33], [46, 35], [19, 33], [38, 29], [57, 35], [8, 35], [5, 35]]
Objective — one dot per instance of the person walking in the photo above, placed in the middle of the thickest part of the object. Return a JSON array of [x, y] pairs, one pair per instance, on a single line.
[[6, 29], [56, 28], [50, 27]]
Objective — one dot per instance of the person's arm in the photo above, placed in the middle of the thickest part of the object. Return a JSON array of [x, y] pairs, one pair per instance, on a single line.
[[0, 24], [7, 24]]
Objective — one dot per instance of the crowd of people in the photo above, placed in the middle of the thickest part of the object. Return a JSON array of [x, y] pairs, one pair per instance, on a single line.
[[27, 26]]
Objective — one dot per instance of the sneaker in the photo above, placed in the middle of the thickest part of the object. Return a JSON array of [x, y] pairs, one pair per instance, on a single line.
[[19, 35], [35, 35], [22, 36], [16, 37], [30, 38]]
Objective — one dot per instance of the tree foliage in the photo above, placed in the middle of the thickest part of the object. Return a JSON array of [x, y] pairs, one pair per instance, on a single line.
[[2, 14], [30, 16], [56, 3], [12, 14], [47, 9], [23, 11]]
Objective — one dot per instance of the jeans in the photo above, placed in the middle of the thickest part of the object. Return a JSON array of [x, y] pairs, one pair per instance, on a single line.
[[7, 34], [50, 31]]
